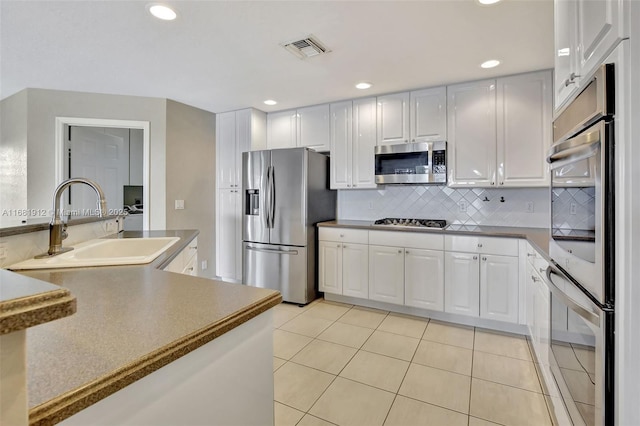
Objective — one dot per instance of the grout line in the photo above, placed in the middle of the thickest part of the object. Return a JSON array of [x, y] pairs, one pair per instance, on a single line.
[[509, 386], [473, 355], [391, 406], [432, 404]]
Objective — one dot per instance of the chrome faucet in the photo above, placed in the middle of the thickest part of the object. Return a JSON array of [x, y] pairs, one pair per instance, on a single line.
[[57, 228]]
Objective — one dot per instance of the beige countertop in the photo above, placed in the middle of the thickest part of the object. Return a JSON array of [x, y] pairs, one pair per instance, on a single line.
[[131, 320], [25, 302], [538, 237]]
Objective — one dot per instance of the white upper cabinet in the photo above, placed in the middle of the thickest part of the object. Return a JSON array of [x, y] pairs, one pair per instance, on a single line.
[[600, 28], [566, 55], [428, 115], [393, 119], [586, 31], [341, 145], [524, 129], [472, 133], [313, 127], [416, 116], [499, 131], [352, 143], [226, 148], [282, 129], [364, 143], [237, 132], [304, 127]]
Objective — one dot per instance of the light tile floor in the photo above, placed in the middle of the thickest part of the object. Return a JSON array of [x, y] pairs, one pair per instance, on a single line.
[[337, 364]]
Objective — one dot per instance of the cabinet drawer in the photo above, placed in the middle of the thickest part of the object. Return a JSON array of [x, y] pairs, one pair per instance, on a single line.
[[536, 260], [358, 236], [486, 245], [418, 240]]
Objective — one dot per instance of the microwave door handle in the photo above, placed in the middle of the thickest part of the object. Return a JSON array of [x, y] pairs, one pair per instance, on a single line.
[[573, 155], [571, 304], [577, 148]]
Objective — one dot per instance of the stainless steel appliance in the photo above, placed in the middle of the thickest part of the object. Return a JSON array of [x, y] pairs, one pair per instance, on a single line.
[[418, 223], [285, 193], [419, 163], [581, 275]]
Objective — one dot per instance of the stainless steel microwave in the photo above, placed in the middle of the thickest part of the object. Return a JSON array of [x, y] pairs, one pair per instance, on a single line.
[[412, 163]]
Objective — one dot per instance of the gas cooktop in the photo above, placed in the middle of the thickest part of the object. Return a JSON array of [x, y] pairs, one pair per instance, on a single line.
[[421, 223]]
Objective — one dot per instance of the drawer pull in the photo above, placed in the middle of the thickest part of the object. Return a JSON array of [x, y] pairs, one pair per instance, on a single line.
[[542, 270], [480, 245], [341, 235], [475, 257], [531, 255], [534, 278], [484, 258], [407, 252]]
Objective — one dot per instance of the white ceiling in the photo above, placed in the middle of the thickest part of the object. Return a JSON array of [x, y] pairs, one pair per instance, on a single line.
[[225, 55]]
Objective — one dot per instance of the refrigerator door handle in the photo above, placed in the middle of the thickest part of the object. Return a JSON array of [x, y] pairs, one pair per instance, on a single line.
[[272, 198], [265, 250], [266, 199]]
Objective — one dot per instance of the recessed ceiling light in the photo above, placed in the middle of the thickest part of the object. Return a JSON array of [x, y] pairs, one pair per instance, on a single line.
[[490, 64], [488, 1], [163, 12], [270, 102], [363, 85]]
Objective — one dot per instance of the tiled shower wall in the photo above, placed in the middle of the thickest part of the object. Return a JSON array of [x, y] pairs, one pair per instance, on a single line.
[[489, 207]]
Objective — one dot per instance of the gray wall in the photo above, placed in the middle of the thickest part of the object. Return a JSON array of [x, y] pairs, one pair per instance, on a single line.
[[13, 154], [45, 105], [191, 176]]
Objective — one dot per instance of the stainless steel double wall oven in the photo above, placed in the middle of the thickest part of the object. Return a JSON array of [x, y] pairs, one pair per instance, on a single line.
[[581, 274]]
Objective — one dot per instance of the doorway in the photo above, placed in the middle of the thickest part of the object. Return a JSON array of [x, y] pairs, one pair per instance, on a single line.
[[115, 153]]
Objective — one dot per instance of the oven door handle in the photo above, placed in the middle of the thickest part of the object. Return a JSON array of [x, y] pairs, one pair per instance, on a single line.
[[575, 149], [571, 304]]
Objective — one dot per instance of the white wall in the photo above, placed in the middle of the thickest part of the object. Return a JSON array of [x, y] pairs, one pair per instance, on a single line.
[[43, 106], [191, 176], [441, 202], [13, 154]]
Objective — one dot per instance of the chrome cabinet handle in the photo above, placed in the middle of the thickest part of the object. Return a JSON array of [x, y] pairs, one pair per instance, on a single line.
[[480, 245], [571, 79], [341, 235], [484, 258], [399, 251], [531, 255], [542, 270], [501, 183], [534, 278], [354, 185], [493, 183], [475, 257], [407, 252]]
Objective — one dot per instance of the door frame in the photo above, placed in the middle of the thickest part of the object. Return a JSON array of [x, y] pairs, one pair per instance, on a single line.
[[61, 122]]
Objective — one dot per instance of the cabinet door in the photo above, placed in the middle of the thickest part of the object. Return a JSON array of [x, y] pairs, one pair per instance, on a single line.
[[424, 279], [227, 235], [471, 116], [393, 119], [542, 322], [461, 283], [566, 55], [355, 270], [281, 129], [330, 267], [364, 143], [599, 30], [499, 288], [524, 129], [243, 141], [428, 115], [313, 127], [226, 150], [386, 274], [341, 145]]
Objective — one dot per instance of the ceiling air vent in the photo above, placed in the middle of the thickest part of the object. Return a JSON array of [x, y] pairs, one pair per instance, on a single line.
[[306, 48]]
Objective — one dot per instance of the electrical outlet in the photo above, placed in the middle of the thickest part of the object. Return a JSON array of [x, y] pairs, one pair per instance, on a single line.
[[529, 206], [110, 227], [179, 205], [462, 206], [203, 265], [573, 208]]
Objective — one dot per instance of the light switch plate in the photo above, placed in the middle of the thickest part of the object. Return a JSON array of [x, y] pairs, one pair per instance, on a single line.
[[179, 205]]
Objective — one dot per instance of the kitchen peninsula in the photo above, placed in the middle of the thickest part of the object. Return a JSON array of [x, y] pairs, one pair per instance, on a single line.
[[147, 345]]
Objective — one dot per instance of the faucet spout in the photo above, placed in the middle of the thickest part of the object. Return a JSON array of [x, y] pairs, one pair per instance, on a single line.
[[57, 227]]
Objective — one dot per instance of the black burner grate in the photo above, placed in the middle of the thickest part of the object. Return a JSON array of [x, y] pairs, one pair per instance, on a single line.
[[428, 223]]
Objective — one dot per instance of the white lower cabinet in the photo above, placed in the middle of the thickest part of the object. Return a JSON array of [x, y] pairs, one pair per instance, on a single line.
[[482, 279], [462, 284], [499, 288], [229, 234], [343, 259], [186, 262], [386, 274], [424, 279]]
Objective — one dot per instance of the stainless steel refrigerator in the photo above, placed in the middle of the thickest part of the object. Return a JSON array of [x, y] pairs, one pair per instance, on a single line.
[[285, 193]]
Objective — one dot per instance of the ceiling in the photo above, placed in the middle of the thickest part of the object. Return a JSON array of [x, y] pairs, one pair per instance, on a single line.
[[226, 55]]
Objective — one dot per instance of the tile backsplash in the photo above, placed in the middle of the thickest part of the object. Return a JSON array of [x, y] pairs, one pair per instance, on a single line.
[[489, 207]]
